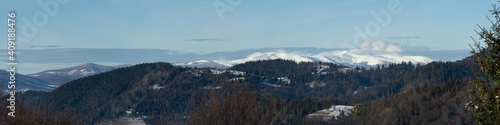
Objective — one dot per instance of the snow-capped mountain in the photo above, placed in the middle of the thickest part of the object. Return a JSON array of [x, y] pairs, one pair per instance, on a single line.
[[58, 77], [37, 60], [345, 57], [201, 64], [368, 53]]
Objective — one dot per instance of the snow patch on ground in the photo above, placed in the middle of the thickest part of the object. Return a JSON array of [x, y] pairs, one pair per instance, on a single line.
[[333, 112]]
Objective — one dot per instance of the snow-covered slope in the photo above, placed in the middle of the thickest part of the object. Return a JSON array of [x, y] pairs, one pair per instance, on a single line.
[[368, 53], [202, 64], [280, 54], [368, 58], [333, 112], [345, 57]]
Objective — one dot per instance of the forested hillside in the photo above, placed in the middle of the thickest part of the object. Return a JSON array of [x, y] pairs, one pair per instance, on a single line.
[[277, 91], [442, 104]]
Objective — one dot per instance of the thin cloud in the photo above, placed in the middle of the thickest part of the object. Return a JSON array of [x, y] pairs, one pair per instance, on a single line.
[[45, 46], [380, 46], [206, 40], [405, 37]]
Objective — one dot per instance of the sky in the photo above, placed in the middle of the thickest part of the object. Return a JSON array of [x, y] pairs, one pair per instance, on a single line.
[[204, 26]]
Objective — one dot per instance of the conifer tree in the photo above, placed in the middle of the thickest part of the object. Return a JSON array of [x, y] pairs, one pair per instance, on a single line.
[[484, 98]]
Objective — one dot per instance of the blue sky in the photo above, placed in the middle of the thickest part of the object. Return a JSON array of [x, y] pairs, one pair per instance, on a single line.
[[195, 25]]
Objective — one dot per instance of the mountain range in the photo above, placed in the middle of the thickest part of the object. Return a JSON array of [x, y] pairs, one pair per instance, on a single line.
[[49, 79], [346, 57], [38, 60], [343, 57], [58, 77]]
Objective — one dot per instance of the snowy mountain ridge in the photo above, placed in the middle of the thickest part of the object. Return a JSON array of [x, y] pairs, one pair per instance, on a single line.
[[355, 57], [60, 76]]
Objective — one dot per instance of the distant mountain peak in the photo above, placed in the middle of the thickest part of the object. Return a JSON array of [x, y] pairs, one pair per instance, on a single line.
[[61, 76], [87, 64]]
